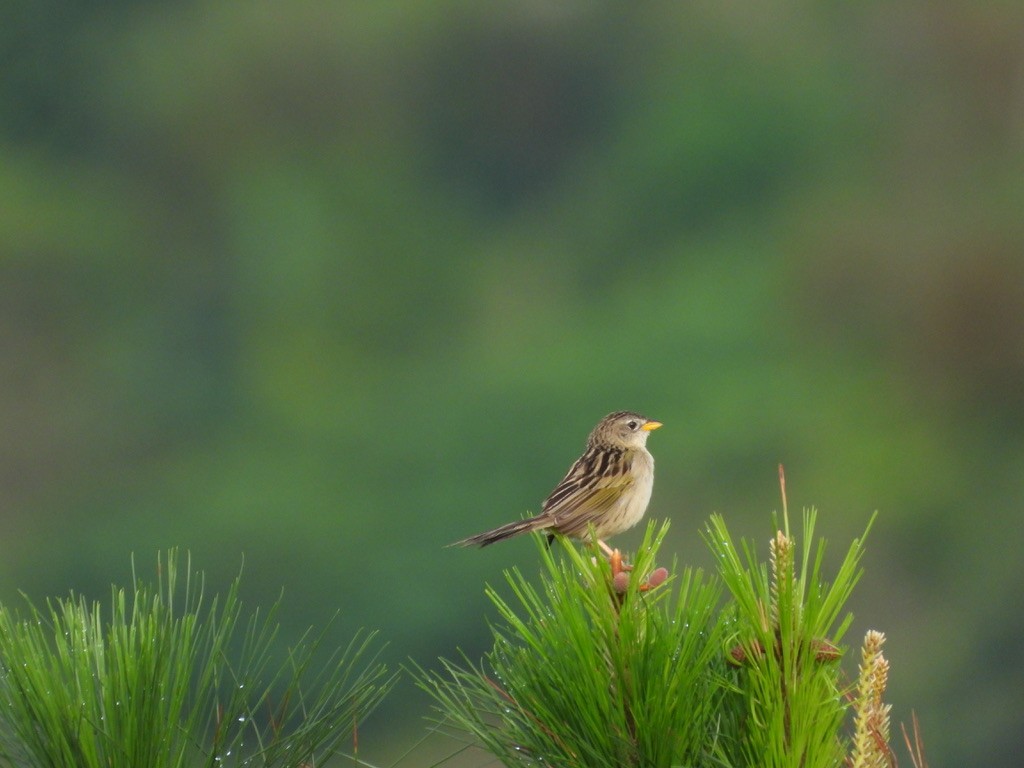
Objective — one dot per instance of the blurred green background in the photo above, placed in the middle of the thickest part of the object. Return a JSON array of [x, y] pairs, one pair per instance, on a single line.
[[332, 285]]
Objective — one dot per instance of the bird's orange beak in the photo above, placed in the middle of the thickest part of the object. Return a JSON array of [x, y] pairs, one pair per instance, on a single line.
[[650, 426]]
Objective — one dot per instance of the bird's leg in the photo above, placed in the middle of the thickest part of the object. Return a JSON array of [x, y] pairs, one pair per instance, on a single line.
[[616, 562], [615, 558]]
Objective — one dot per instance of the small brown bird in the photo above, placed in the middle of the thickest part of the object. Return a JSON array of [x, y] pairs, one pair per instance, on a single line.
[[608, 487]]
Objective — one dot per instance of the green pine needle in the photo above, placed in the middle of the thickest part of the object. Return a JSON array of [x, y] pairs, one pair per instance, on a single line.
[[787, 707], [592, 669], [583, 675], [169, 679]]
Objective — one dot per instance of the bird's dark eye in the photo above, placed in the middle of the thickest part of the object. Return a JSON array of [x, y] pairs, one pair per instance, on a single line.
[[632, 425]]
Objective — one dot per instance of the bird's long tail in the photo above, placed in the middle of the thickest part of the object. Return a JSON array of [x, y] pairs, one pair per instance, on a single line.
[[504, 532]]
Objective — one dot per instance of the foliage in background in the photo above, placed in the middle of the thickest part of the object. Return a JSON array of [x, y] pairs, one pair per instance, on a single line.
[[171, 678], [260, 258], [584, 673]]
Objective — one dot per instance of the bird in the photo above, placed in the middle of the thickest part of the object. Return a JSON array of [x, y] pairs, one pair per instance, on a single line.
[[606, 490]]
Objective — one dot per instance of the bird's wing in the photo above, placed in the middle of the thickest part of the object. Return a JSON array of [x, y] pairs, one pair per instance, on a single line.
[[592, 486]]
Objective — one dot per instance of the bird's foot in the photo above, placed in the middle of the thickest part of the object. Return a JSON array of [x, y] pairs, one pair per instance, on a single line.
[[617, 564], [621, 574], [614, 557]]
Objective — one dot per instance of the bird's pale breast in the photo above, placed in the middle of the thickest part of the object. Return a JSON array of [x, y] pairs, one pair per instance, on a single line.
[[629, 509]]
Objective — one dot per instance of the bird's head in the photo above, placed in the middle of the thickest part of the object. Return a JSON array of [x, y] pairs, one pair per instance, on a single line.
[[623, 429]]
